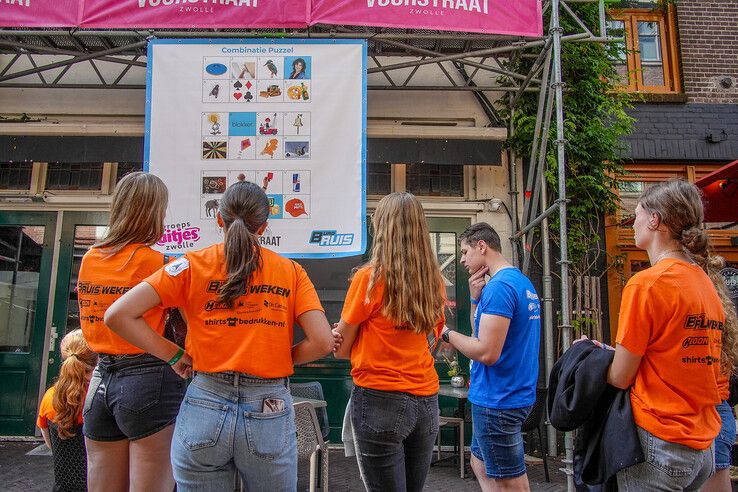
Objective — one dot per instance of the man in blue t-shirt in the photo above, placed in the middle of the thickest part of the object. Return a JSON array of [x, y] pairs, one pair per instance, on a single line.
[[506, 317]]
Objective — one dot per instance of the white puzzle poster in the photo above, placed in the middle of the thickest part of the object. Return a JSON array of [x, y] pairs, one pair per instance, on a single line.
[[288, 115]]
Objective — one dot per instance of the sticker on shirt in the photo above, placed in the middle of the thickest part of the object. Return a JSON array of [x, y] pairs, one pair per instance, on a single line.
[[177, 267]]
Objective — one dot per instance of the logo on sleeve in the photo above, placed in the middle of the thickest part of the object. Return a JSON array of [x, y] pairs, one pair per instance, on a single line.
[[177, 267]]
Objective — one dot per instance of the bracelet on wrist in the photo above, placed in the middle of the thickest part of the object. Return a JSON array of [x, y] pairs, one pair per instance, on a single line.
[[473, 301], [176, 357]]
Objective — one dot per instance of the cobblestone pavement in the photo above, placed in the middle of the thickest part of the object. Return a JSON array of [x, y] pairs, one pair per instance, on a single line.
[[30, 473]]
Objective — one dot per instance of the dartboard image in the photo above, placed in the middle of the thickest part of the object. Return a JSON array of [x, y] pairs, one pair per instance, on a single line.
[[214, 150]]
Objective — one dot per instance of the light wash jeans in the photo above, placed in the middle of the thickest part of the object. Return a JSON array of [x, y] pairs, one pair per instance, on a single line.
[[668, 466], [221, 428]]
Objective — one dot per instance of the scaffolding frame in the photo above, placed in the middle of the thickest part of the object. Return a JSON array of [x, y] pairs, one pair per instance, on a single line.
[[462, 58]]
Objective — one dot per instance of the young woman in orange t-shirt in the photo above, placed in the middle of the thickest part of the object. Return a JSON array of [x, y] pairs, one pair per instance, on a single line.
[[241, 302], [392, 306], [134, 396], [674, 338], [61, 412]]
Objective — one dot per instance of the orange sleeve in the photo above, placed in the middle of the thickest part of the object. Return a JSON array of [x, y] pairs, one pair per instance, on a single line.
[[355, 310], [46, 409], [306, 298], [635, 321], [171, 282]]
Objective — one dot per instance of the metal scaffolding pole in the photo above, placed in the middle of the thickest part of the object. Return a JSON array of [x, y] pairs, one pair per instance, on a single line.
[[565, 326]]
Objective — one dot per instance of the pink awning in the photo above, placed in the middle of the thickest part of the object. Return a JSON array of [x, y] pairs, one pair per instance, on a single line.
[[40, 13], [513, 17], [195, 13]]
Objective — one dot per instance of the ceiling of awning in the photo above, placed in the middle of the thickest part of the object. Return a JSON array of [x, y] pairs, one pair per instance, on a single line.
[[720, 191]]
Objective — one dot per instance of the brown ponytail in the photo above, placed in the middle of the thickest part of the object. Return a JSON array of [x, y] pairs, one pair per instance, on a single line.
[[71, 387], [679, 206], [244, 208]]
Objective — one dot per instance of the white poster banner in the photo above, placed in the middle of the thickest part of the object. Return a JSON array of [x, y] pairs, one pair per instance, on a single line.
[[288, 115]]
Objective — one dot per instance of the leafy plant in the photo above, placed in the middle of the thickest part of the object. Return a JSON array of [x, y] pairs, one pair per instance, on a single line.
[[595, 123], [453, 365]]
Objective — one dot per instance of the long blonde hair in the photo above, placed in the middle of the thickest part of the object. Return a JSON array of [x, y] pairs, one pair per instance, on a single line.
[[136, 212], [679, 206], [402, 256], [71, 387]]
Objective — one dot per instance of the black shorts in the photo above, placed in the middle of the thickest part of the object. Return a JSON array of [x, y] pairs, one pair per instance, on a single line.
[[131, 397]]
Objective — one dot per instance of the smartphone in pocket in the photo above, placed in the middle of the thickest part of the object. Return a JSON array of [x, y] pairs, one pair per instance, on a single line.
[[272, 405]]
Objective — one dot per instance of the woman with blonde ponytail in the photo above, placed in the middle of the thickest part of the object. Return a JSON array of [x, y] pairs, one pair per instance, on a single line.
[[241, 302], [61, 410], [393, 306], [676, 343]]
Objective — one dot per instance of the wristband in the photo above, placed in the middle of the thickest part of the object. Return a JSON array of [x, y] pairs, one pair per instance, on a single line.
[[176, 357], [473, 301]]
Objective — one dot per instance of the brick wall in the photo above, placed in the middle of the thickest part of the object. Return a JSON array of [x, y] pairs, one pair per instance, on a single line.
[[708, 38]]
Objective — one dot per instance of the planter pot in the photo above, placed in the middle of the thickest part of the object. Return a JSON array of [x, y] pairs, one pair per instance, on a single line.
[[457, 381]]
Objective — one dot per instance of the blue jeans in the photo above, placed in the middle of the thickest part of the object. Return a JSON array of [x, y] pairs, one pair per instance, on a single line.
[[394, 437], [668, 466], [221, 428], [498, 441], [131, 397], [726, 438]]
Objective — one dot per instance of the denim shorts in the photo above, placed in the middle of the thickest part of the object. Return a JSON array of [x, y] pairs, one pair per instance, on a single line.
[[726, 438], [668, 466], [131, 397], [498, 441]]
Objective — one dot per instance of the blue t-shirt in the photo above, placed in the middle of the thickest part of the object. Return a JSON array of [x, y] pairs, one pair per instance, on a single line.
[[511, 381]]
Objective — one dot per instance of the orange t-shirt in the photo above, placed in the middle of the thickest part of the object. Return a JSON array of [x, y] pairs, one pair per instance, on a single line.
[[46, 412], [671, 315], [385, 356], [102, 280], [255, 336]]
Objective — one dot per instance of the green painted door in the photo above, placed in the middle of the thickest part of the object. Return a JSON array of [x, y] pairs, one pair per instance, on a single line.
[[331, 281], [79, 231], [26, 252]]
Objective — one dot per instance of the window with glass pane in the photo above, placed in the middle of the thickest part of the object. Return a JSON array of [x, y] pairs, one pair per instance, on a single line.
[[649, 38], [435, 180], [84, 237], [15, 175], [74, 176], [618, 53], [649, 42], [444, 247], [127, 168], [20, 267], [378, 178]]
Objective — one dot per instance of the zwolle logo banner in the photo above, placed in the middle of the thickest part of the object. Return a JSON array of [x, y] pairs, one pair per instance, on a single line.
[[179, 236], [331, 238]]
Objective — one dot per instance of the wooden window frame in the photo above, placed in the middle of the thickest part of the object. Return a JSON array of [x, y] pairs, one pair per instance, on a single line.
[[667, 37]]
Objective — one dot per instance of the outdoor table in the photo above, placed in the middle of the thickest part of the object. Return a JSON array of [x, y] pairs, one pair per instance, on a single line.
[[314, 403], [461, 394]]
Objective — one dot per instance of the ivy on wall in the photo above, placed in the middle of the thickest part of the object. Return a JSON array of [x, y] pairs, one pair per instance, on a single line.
[[595, 123]]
